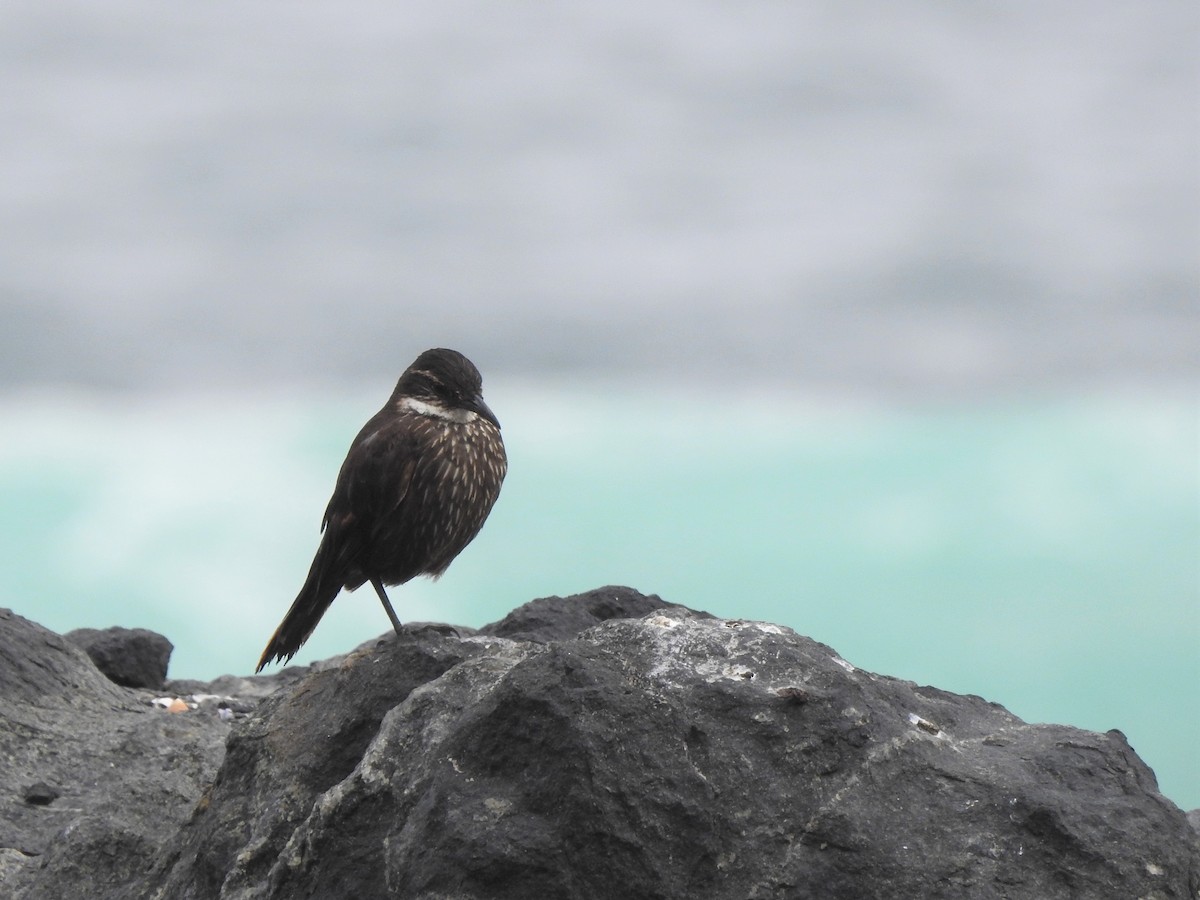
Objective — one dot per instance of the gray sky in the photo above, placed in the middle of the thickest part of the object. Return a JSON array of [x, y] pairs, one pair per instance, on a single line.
[[908, 195]]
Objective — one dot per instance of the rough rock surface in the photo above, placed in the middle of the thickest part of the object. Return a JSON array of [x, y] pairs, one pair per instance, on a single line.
[[671, 755], [132, 657], [94, 777], [555, 619]]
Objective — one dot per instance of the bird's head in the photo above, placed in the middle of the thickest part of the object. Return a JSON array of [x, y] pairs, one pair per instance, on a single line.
[[443, 384]]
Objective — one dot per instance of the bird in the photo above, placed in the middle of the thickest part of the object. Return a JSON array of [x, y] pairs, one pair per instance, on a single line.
[[417, 485]]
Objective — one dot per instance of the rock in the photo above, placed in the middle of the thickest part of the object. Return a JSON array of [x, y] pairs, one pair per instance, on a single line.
[[131, 657], [126, 774], [668, 756], [271, 776], [559, 618], [13, 866], [673, 756]]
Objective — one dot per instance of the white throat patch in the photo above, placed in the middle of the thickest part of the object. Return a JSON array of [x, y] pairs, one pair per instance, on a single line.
[[435, 411]]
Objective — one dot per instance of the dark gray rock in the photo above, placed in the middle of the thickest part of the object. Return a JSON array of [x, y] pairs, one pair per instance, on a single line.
[[558, 618], [272, 776], [130, 657], [50, 694], [671, 756], [126, 773]]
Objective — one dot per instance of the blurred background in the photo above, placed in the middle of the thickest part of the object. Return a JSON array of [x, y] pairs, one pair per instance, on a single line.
[[877, 320]]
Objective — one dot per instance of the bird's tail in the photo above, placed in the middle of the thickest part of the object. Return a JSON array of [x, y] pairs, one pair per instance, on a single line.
[[322, 585]]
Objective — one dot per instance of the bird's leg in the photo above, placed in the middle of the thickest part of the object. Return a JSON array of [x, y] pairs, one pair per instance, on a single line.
[[383, 598]]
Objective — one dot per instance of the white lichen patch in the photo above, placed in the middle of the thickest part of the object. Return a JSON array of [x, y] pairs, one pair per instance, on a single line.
[[765, 627], [497, 806], [1152, 869], [768, 628], [718, 651], [492, 640]]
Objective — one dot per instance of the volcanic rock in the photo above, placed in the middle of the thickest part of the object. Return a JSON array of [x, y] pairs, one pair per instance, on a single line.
[[131, 657], [669, 755]]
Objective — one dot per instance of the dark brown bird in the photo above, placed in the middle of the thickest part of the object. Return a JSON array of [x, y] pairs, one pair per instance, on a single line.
[[416, 487]]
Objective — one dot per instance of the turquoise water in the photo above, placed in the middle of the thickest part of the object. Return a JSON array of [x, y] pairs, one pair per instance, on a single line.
[[1041, 552]]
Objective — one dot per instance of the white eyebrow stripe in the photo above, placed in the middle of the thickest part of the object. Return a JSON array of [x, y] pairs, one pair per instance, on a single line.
[[437, 411]]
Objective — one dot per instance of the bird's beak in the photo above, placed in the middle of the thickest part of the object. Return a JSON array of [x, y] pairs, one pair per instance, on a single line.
[[478, 406]]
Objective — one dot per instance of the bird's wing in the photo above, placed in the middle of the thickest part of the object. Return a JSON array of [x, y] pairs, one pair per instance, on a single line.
[[376, 476]]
